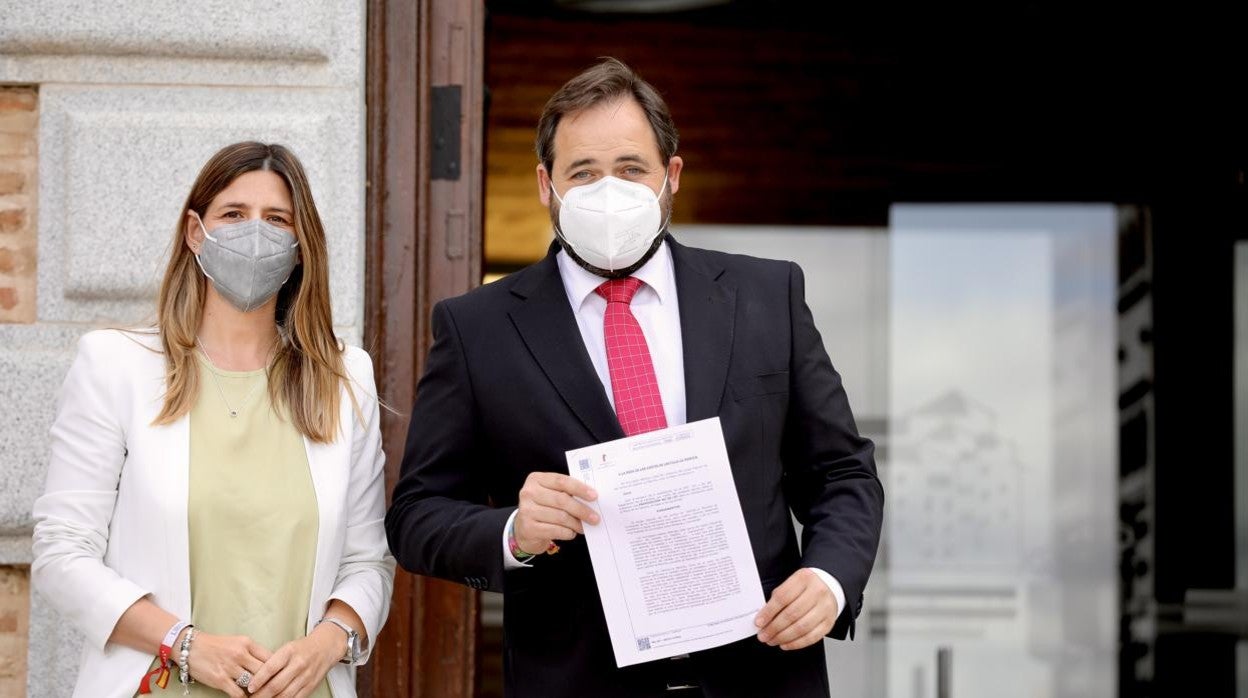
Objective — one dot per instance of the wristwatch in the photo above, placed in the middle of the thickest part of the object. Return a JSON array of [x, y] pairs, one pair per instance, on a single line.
[[353, 652]]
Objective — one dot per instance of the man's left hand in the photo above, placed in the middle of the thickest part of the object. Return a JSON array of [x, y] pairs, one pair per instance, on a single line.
[[801, 611]]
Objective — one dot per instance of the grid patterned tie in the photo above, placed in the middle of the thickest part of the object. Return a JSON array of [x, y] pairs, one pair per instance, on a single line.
[[638, 405]]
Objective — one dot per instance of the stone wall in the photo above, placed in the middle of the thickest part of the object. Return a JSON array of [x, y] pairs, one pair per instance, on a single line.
[[107, 112]]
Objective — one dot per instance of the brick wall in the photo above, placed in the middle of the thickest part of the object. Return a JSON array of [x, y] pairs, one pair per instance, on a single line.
[[14, 627], [19, 118], [18, 186]]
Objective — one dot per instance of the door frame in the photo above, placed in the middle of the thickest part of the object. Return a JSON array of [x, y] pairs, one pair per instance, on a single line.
[[423, 243]]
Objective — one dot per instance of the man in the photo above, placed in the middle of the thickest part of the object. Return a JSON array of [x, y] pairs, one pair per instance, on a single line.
[[622, 330]]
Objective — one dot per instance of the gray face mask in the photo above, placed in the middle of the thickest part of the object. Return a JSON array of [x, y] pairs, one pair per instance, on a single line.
[[248, 261]]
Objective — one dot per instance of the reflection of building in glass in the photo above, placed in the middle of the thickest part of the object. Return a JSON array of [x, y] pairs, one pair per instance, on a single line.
[[957, 490], [1002, 451], [956, 547]]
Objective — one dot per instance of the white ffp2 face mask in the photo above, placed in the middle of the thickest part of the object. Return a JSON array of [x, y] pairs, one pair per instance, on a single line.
[[610, 224]]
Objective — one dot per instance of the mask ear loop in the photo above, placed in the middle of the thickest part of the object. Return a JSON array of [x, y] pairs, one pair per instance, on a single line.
[[555, 223], [293, 245], [659, 198], [209, 237], [203, 227]]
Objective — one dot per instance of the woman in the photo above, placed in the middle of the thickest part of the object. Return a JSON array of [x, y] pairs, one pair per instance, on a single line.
[[223, 469]]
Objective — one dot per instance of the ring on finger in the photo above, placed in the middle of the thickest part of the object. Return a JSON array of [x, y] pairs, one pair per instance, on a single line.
[[243, 680]]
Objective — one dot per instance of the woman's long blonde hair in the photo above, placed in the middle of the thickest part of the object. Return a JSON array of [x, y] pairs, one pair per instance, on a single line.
[[307, 371]]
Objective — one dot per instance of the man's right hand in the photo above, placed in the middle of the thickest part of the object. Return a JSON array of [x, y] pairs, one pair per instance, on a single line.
[[549, 511]]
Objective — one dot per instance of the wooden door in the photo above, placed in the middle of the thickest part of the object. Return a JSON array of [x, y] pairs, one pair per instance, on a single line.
[[424, 103]]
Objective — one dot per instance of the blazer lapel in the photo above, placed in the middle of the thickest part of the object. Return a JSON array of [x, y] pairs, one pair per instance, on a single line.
[[547, 326], [329, 481], [173, 442], [162, 455], [707, 315]]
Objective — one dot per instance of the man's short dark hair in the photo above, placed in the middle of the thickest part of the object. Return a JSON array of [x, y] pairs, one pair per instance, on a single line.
[[606, 81]]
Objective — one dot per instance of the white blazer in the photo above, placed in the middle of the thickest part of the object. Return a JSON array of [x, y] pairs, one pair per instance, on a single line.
[[111, 526]]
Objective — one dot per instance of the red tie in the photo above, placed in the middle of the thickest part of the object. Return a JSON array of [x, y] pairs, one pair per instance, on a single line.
[[638, 405]]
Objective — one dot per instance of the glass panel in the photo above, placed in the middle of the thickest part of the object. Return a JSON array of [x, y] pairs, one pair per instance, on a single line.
[[1241, 449], [1003, 451]]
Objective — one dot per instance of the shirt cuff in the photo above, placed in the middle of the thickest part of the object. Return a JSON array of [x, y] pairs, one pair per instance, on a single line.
[[828, 579], [509, 561]]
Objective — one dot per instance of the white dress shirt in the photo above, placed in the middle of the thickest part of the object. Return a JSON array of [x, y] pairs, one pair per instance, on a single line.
[[656, 310], [658, 313]]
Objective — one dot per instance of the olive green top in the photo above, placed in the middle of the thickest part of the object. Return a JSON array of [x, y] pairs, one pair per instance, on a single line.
[[252, 517]]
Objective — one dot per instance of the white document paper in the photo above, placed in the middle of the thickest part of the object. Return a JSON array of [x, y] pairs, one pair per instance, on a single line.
[[671, 554]]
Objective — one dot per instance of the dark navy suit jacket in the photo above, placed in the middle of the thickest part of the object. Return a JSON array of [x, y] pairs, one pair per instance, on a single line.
[[509, 388]]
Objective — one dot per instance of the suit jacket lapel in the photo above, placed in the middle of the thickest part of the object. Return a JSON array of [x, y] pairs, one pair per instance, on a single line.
[[707, 314], [546, 324]]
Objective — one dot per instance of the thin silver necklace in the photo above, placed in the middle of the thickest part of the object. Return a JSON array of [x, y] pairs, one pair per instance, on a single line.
[[215, 381]]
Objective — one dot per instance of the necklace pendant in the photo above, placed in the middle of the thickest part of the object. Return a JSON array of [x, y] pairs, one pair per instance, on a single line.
[[233, 413]]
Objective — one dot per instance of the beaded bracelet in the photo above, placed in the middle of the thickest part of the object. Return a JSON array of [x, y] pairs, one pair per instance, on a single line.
[[184, 662]]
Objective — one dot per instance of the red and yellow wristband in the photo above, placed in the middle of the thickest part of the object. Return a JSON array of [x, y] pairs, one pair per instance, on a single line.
[[162, 671]]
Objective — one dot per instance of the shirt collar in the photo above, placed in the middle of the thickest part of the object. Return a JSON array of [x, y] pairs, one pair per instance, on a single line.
[[656, 273]]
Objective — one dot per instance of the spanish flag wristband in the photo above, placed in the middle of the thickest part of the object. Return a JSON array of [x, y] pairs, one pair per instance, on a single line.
[[513, 546]]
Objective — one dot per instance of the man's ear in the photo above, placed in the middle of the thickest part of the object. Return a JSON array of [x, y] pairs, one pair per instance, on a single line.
[[674, 168], [543, 185]]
